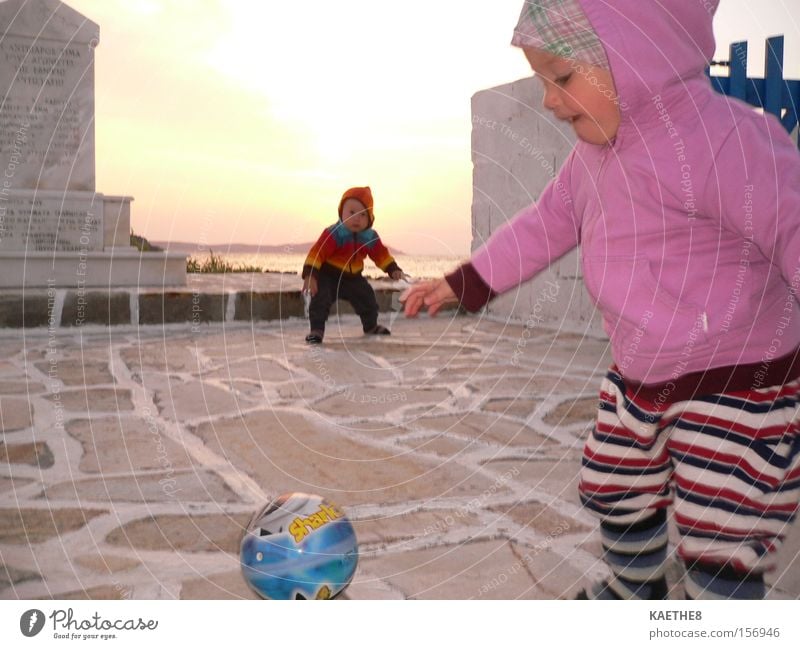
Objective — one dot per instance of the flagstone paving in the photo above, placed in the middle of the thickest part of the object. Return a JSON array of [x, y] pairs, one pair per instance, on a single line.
[[131, 459]]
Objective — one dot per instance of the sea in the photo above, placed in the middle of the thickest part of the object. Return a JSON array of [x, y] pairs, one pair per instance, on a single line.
[[415, 266]]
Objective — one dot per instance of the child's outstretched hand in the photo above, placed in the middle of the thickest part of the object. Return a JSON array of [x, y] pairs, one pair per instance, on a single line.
[[310, 285], [433, 294], [396, 275]]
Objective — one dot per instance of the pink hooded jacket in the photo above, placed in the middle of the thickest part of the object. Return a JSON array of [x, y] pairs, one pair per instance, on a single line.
[[688, 222]]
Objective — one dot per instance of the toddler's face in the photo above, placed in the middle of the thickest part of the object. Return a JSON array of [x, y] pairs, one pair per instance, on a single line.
[[581, 94], [354, 215]]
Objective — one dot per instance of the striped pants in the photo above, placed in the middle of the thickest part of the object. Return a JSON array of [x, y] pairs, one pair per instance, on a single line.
[[729, 464]]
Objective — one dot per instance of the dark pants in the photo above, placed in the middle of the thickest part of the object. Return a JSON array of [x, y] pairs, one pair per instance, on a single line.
[[352, 288]]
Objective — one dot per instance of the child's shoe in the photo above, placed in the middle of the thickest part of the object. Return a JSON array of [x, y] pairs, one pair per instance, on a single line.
[[378, 330], [315, 337], [658, 590]]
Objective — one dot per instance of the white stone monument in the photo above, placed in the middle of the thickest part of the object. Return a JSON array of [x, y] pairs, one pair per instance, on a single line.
[[517, 148], [55, 229]]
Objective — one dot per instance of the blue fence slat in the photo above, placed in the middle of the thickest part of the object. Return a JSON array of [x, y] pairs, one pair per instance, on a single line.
[[773, 76], [773, 93], [791, 101], [737, 86]]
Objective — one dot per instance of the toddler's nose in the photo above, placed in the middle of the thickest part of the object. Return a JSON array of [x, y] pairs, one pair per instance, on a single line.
[[551, 100]]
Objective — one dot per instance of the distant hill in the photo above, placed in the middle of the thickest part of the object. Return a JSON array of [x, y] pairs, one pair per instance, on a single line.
[[190, 248]]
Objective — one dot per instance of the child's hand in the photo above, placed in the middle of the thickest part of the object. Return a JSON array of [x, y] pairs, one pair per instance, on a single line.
[[433, 294], [310, 285], [396, 275]]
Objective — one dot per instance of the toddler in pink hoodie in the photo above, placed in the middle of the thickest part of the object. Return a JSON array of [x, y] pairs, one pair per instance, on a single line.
[[686, 206]]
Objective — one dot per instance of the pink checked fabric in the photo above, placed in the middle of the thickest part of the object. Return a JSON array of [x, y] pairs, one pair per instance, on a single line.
[[561, 28]]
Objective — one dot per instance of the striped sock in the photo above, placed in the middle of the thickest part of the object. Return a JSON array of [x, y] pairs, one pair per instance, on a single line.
[[636, 554], [708, 581]]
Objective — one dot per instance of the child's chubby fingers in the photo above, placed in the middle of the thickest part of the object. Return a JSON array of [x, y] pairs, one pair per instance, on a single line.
[[413, 298], [431, 295], [440, 295]]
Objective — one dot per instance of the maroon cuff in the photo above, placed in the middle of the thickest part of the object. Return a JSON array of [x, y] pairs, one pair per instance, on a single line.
[[469, 287]]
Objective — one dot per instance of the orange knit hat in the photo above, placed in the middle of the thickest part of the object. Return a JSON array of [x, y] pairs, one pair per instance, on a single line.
[[364, 196]]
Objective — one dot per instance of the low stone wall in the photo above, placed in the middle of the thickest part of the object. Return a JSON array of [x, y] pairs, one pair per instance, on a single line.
[[69, 308], [517, 149]]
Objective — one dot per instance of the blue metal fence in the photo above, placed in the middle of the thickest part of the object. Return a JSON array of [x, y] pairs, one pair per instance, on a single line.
[[773, 93]]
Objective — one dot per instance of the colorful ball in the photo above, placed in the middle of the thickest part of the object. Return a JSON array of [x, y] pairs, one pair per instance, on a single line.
[[299, 546]]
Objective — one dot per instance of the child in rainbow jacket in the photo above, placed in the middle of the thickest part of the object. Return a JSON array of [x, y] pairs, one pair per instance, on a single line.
[[334, 264]]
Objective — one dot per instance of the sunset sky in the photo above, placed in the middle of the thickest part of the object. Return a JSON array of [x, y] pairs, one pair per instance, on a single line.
[[234, 121]]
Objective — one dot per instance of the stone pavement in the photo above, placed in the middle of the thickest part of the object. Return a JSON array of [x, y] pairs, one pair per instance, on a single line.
[[132, 457]]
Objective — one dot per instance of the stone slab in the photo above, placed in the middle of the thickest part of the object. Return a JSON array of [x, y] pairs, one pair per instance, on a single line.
[[537, 386], [17, 311], [541, 518], [93, 400], [21, 386], [393, 528], [487, 428], [7, 484], [225, 585], [173, 306], [183, 487], [268, 306], [110, 592], [107, 564], [559, 478], [37, 221], [25, 526], [192, 533], [365, 401], [573, 411], [195, 399], [124, 444], [476, 570], [95, 307], [15, 414], [337, 368], [10, 576], [522, 408], [76, 372], [48, 114], [444, 445], [161, 356], [256, 369], [34, 454], [286, 452]]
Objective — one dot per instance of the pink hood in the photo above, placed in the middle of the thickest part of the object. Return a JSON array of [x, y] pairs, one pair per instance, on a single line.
[[688, 221]]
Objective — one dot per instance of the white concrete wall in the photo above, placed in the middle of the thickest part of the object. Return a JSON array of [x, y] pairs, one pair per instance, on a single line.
[[517, 148]]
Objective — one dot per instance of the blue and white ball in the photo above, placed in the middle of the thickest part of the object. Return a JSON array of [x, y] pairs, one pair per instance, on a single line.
[[299, 546]]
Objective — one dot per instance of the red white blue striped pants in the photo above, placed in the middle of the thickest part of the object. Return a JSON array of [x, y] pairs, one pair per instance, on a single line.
[[728, 462]]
